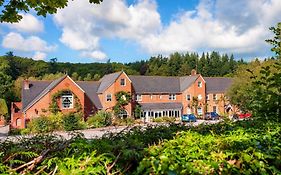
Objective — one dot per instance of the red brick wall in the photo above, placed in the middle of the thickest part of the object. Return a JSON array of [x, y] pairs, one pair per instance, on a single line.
[[44, 102], [115, 88], [194, 91]]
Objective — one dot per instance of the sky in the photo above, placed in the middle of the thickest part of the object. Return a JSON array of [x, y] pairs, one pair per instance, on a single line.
[[131, 30]]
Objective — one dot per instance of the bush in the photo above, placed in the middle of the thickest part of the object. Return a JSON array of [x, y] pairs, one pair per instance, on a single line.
[[101, 119], [164, 119], [40, 125], [73, 121], [123, 122]]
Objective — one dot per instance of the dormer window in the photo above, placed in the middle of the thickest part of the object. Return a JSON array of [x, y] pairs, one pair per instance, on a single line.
[[200, 84], [123, 82], [108, 97], [67, 100]]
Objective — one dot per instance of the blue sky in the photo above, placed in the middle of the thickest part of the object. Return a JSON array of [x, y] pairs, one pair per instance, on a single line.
[[126, 31]]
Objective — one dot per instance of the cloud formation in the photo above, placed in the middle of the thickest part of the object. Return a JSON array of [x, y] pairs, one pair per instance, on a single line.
[[83, 29], [238, 27], [28, 24], [17, 42], [39, 56]]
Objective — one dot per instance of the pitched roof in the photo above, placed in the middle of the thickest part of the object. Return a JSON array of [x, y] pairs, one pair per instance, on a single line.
[[155, 106], [32, 96], [90, 88], [152, 84], [160, 84], [217, 84], [36, 87], [186, 81], [107, 80]]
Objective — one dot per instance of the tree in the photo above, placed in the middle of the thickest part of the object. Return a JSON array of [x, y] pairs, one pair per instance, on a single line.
[[276, 41], [88, 77], [11, 9], [3, 109]]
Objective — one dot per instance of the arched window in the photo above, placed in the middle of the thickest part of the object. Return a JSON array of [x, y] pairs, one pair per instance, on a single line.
[[67, 100], [18, 122], [123, 114]]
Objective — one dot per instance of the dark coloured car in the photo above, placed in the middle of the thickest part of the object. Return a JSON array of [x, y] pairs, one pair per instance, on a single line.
[[188, 118], [212, 116]]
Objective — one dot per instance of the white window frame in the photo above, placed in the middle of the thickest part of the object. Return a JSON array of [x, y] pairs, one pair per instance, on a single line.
[[121, 82], [108, 97], [200, 97], [215, 97], [160, 96], [138, 97], [188, 97], [63, 98], [207, 97], [199, 83], [172, 97]]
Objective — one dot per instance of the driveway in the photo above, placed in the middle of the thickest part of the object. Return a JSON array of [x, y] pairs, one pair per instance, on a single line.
[[98, 132], [4, 130]]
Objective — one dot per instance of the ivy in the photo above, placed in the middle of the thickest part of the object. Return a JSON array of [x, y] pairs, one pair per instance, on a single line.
[[123, 98], [54, 107]]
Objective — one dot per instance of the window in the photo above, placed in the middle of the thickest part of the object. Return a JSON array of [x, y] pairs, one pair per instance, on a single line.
[[18, 122], [151, 96], [199, 97], [188, 97], [108, 97], [123, 82], [172, 97], [67, 100], [123, 114], [200, 84], [199, 110], [139, 97], [160, 96], [214, 96], [214, 108], [207, 97]]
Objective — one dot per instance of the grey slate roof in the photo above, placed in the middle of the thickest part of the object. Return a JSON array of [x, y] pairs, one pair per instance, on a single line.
[[217, 84], [152, 84], [42, 93], [158, 84], [107, 80], [36, 87], [156, 106], [90, 88], [186, 81]]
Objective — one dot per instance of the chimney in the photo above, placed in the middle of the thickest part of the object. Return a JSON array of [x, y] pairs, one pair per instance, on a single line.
[[193, 72], [26, 84]]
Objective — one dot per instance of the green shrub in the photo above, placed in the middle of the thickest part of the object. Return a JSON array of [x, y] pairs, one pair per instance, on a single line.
[[73, 121], [158, 120], [164, 119], [123, 122], [15, 131], [40, 125], [101, 119]]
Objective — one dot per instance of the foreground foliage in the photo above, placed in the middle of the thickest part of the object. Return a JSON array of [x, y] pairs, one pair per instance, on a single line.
[[243, 147]]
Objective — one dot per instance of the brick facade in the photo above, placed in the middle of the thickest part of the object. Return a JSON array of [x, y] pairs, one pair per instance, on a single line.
[[100, 95]]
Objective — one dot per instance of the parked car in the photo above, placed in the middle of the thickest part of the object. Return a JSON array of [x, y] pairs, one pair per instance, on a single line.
[[211, 116], [245, 115], [188, 118]]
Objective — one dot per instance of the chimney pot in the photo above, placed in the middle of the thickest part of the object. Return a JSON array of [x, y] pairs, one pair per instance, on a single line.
[[193, 72], [26, 84]]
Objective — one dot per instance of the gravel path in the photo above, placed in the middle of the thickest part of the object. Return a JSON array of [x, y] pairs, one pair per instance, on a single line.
[[94, 133]]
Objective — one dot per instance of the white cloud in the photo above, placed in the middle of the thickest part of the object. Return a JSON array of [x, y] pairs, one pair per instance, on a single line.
[[39, 56], [238, 27], [29, 24], [229, 26], [83, 29], [98, 55], [16, 41]]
